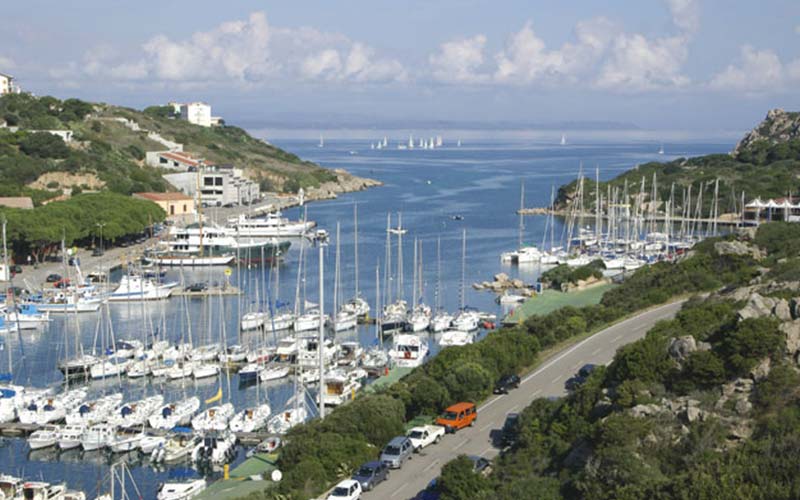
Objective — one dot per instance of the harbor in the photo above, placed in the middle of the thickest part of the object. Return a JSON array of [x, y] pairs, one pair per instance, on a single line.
[[459, 239]]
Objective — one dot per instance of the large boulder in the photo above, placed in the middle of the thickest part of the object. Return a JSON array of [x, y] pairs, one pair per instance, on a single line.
[[640, 411], [792, 331], [757, 306], [501, 277], [782, 311], [681, 347], [761, 370], [737, 248]]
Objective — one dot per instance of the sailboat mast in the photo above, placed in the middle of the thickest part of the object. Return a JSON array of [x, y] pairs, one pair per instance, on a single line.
[[521, 216], [463, 266], [437, 296], [400, 294], [335, 309], [355, 243], [8, 273], [378, 309], [414, 279]]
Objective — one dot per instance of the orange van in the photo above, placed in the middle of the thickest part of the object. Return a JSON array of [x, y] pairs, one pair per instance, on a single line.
[[458, 416]]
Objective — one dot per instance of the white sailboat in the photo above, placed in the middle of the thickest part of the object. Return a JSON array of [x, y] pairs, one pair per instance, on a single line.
[[94, 412], [215, 418], [136, 413], [661, 149], [251, 419], [179, 413], [321, 141], [343, 319], [563, 140]]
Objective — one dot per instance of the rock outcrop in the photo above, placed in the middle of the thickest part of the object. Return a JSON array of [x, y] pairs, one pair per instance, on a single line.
[[738, 248], [779, 126]]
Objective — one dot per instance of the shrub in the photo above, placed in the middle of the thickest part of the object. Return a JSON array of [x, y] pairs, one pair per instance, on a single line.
[[44, 145]]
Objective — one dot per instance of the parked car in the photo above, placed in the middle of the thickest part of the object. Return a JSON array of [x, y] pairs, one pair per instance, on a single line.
[[480, 465], [458, 416], [506, 383], [97, 252], [370, 474], [431, 492], [63, 283], [53, 278], [509, 431], [346, 490], [397, 452], [197, 287], [579, 378], [423, 436]]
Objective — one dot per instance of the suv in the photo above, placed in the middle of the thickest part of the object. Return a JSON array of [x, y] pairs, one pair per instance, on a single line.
[[458, 416], [346, 490], [579, 378], [396, 452], [506, 383], [370, 474], [509, 430]]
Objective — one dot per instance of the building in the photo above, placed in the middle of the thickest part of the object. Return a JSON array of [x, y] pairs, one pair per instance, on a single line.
[[66, 135], [221, 185], [785, 209], [174, 204], [198, 113], [173, 160], [17, 202], [7, 85]]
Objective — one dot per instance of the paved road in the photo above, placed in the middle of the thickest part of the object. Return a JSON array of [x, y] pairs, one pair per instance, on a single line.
[[547, 380]]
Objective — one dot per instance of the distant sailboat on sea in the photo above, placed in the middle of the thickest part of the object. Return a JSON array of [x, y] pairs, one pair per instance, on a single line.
[[321, 142], [458, 144], [661, 149], [438, 141], [563, 140]]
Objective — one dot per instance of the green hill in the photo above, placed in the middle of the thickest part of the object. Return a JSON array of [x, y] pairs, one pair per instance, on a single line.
[[764, 164], [109, 145]]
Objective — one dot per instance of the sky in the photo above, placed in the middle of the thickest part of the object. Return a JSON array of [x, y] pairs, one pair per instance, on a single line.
[[704, 65]]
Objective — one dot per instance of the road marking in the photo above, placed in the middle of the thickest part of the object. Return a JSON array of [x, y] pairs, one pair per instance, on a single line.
[[594, 353], [536, 392], [584, 341], [459, 445], [489, 403], [511, 410], [556, 379], [577, 365], [486, 426], [397, 491], [430, 465], [615, 339]]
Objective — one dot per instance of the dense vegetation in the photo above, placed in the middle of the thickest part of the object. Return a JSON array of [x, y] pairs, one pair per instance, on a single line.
[[107, 149], [39, 232], [563, 274], [318, 453], [594, 444], [765, 168]]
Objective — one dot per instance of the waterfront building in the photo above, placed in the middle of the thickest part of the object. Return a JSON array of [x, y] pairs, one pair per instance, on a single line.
[[220, 185], [175, 204], [173, 160], [198, 113]]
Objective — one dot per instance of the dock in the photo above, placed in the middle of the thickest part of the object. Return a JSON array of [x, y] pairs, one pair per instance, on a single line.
[[211, 291]]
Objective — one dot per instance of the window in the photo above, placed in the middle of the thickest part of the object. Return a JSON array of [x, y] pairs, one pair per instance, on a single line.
[[208, 181], [172, 209], [184, 208], [218, 181]]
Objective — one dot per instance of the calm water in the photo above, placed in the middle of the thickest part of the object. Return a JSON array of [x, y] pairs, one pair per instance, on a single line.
[[479, 181]]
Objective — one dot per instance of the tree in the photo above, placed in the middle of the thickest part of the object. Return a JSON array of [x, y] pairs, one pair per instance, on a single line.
[[459, 481], [44, 145]]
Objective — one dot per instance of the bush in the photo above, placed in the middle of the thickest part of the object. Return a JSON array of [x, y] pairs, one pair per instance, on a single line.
[[752, 340], [44, 145]]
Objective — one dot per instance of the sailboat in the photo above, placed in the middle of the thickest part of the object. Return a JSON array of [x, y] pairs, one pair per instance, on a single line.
[[420, 316], [442, 319], [394, 312], [295, 412], [523, 254], [343, 319], [467, 319], [410, 142], [661, 149], [357, 305], [321, 141], [458, 143], [438, 141], [563, 140]]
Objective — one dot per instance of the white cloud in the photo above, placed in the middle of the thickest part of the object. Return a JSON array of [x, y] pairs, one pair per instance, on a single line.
[[459, 61], [6, 64], [797, 29], [246, 52], [685, 14], [638, 63], [758, 70]]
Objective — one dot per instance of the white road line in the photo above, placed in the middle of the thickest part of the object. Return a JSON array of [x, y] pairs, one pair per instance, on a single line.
[[484, 451], [615, 339], [430, 465], [535, 393], [594, 353], [511, 410], [556, 379], [488, 403], [577, 365], [486, 426], [397, 491], [459, 445]]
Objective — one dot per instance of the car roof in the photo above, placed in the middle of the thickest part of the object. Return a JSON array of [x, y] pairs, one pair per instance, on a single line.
[[397, 440], [373, 464], [460, 406], [347, 483]]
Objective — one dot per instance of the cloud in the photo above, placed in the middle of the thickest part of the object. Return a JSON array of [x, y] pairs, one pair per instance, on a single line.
[[6, 63], [246, 52], [459, 61], [797, 29], [757, 70], [685, 14], [638, 63]]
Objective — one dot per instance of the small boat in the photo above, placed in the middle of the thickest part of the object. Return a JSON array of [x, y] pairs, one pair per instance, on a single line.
[[149, 443], [10, 487], [262, 354], [215, 448], [79, 366], [375, 358], [70, 436], [308, 321], [125, 442], [456, 338], [273, 373], [234, 354], [178, 446], [180, 370], [97, 437], [511, 298], [215, 418], [249, 373], [112, 367], [181, 490], [39, 490], [341, 386], [27, 317], [136, 413], [208, 352], [268, 445], [173, 414], [466, 320], [45, 437], [136, 287], [441, 321], [282, 422], [251, 419], [51, 408], [345, 320], [408, 350], [93, 412], [357, 306], [419, 319], [205, 370], [350, 354], [12, 398]]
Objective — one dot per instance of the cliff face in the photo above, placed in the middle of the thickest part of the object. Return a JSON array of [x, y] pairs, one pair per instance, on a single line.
[[778, 127]]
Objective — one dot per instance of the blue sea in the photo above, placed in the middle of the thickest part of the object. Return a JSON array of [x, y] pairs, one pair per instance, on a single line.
[[441, 194]]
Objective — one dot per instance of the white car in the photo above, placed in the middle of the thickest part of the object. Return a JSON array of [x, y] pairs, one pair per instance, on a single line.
[[346, 490], [421, 437]]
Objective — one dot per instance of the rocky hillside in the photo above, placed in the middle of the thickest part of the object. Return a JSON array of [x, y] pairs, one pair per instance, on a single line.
[[778, 127], [764, 164], [707, 405], [108, 148]]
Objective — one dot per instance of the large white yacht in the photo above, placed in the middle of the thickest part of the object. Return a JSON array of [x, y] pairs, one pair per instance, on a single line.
[[272, 225]]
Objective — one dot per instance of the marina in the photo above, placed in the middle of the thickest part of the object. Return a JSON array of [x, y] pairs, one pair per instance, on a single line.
[[443, 251]]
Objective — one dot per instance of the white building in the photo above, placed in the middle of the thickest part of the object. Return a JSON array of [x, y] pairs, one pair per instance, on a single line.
[[7, 85], [219, 185], [198, 113], [173, 160]]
